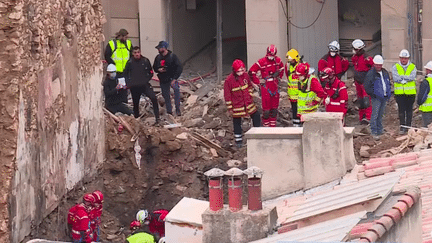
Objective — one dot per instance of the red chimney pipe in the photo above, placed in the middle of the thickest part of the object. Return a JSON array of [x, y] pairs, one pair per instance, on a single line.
[[254, 194], [216, 193], [235, 190]]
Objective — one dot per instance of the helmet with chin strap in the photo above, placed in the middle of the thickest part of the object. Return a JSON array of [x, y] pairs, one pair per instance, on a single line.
[[271, 50], [302, 69], [237, 64]]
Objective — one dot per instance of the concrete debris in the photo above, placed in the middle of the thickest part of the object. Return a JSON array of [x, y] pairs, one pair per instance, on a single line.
[[183, 136], [234, 163], [364, 151]]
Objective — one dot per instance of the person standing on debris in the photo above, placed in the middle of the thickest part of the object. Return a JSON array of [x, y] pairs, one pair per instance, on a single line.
[[404, 76], [362, 64], [114, 92], [336, 90], [424, 99], [293, 59], [138, 73], [334, 60], [95, 215], [311, 93], [79, 220], [168, 68], [267, 71], [238, 90], [118, 51], [155, 221], [377, 85], [138, 236]]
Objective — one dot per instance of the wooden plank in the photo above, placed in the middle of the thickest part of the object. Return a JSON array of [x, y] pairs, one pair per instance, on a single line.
[[210, 144]]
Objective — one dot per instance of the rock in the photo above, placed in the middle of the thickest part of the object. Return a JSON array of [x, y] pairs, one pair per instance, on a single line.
[[364, 151], [166, 136], [181, 188], [234, 163], [121, 190], [420, 146], [221, 133], [182, 136], [212, 125], [173, 145], [214, 152], [283, 94], [111, 237], [193, 123]]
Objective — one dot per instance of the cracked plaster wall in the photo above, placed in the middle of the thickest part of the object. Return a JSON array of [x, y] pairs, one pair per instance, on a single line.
[[52, 123]]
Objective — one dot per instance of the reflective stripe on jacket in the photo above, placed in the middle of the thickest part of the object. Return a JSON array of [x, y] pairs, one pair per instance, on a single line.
[[408, 88], [120, 53], [427, 105], [305, 103], [292, 83]]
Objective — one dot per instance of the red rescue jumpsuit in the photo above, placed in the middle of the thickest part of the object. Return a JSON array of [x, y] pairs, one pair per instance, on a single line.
[[157, 223], [79, 220], [95, 220], [269, 89], [339, 64], [362, 64], [338, 94]]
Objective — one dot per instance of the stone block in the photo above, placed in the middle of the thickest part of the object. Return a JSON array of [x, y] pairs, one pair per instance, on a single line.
[[323, 147], [240, 227]]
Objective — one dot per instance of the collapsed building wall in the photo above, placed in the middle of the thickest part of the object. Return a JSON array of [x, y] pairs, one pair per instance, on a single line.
[[52, 122]]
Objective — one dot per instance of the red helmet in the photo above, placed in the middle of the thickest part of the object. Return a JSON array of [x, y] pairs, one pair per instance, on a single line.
[[98, 196], [327, 74], [302, 69], [135, 225], [89, 197], [271, 50], [237, 64]]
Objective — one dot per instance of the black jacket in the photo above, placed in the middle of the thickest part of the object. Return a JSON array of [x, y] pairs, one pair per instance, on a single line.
[[423, 92], [172, 65], [138, 72], [112, 95]]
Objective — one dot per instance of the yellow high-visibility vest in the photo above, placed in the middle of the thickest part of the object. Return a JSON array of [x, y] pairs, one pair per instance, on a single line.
[[427, 105], [410, 87], [141, 237], [292, 84], [120, 53], [306, 98]]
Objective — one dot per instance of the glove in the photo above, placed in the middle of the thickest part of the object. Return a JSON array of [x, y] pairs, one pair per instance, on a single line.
[[327, 100]]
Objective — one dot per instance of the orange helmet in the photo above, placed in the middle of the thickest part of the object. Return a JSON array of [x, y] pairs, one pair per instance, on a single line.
[[271, 50], [98, 196], [302, 69], [135, 225], [237, 64]]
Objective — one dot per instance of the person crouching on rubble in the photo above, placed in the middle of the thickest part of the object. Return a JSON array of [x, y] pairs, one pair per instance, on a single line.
[[79, 221], [139, 236], [337, 94], [238, 90]]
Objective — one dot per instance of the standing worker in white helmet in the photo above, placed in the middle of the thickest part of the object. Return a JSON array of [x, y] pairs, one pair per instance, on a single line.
[[362, 64], [424, 99], [404, 76], [334, 60]]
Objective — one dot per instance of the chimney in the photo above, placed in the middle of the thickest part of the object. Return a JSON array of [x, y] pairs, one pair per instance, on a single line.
[[215, 188], [254, 188], [235, 189]]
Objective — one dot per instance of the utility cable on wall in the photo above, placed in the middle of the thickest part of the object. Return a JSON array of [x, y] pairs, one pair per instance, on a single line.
[[305, 27]]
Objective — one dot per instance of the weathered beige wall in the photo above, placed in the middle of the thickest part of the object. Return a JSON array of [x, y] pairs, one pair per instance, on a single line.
[[51, 90], [265, 24], [427, 32], [394, 30]]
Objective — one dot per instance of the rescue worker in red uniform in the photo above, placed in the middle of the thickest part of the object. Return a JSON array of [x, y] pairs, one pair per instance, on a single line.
[[79, 220], [138, 236], [362, 64], [267, 71], [154, 220], [293, 59], [334, 60], [337, 94], [95, 215], [238, 90], [311, 93]]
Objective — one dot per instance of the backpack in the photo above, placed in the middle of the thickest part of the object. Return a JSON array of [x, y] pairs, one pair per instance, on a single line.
[[115, 45]]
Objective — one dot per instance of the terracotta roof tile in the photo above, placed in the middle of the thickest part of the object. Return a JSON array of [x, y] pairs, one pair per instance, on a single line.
[[370, 236], [402, 207], [402, 164], [288, 227], [394, 214], [378, 171], [378, 229], [360, 229], [408, 200], [377, 164], [386, 222]]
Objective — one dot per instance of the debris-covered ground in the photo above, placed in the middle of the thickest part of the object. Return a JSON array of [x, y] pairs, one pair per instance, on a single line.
[[174, 154]]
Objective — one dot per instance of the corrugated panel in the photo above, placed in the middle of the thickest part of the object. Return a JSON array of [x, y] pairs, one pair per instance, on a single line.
[[328, 231], [368, 189], [312, 42]]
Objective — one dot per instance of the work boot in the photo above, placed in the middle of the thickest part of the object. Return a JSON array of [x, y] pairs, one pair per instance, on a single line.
[[178, 113], [376, 137], [239, 144], [157, 122], [364, 121]]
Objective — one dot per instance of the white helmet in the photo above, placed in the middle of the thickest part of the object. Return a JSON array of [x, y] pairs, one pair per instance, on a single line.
[[378, 59], [429, 65], [334, 46], [404, 53], [111, 68], [161, 240], [142, 215], [358, 44]]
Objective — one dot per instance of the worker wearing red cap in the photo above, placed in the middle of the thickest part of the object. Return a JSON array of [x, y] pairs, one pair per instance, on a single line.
[[79, 220], [138, 236], [267, 71], [336, 90], [95, 215], [238, 98], [155, 221]]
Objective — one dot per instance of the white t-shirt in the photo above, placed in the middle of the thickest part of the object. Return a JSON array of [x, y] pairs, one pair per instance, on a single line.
[[383, 83]]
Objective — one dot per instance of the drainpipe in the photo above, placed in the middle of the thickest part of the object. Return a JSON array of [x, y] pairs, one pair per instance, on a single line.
[[254, 188], [235, 189], [215, 177], [420, 37]]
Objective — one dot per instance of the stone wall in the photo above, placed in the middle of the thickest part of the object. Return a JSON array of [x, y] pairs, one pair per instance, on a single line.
[[52, 122]]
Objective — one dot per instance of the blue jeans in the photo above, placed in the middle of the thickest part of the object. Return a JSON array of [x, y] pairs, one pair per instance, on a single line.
[[166, 93], [378, 108]]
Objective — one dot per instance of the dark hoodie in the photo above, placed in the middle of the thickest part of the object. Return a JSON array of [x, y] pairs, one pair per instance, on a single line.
[[138, 72], [172, 64]]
